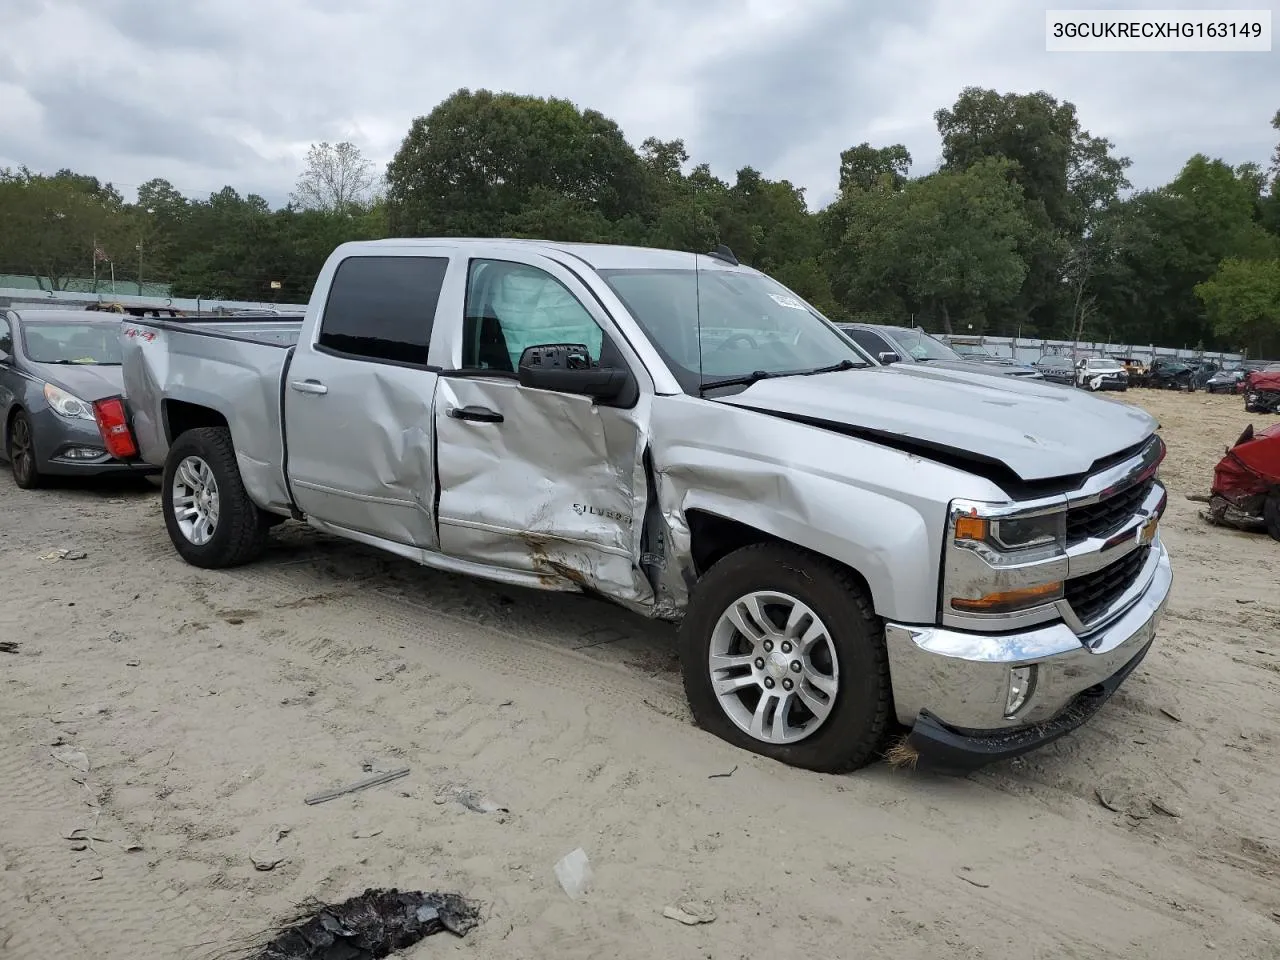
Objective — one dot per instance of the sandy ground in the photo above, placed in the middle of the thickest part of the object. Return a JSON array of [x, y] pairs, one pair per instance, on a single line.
[[208, 705]]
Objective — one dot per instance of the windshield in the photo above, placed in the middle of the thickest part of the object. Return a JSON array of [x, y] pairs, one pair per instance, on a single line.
[[91, 342], [1103, 365], [924, 347], [717, 324], [971, 350]]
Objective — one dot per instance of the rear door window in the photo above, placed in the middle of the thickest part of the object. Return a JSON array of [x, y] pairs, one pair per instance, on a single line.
[[868, 341], [383, 308]]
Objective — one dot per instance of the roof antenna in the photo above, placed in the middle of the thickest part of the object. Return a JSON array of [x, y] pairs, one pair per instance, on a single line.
[[724, 253]]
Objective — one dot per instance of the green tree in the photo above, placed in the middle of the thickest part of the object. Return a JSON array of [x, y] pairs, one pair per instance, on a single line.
[[1168, 240], [479, 158], [1068, 179], [945, 246], [1243, 303], [50, 224]]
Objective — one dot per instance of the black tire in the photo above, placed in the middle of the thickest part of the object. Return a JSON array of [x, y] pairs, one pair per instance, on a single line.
[[240, 532], [855, 731], [22, 453], [1271, 514]]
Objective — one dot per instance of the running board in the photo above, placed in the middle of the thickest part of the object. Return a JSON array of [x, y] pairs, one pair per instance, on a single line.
[[439, 561]]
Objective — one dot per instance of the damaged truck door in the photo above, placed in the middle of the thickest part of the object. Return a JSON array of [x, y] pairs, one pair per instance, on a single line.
[[540, 430], [357, 401]]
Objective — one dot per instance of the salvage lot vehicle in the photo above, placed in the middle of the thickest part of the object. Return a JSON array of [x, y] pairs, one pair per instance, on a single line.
[[1101, 373], [912, 345], [844, 544], [1168, 374], [1262, 390], [1056, 369], [54, 367], [1225, 381], [1246, 482]]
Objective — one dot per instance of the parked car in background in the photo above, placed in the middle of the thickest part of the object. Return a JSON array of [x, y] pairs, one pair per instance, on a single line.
[[972, 350], [1101, 373], [1202, 371], [1056, 369], [54, 365], [912, 345], [1166, 373], [846, 545], [1226, 381], [1134, 367]]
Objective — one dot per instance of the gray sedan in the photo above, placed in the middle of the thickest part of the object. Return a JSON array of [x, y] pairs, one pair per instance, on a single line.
[[912, 345], [54, 365]]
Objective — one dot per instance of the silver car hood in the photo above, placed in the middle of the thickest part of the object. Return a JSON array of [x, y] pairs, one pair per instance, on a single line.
[[1036, 430], [88, 381]]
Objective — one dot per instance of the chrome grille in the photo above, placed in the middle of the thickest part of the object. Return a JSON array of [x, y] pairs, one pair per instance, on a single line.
[[1107, 516], [1093, 595]]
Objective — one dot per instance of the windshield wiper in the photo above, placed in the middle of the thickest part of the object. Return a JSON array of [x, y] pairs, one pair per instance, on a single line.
[[749, 378], [835, 367], [743, 381]]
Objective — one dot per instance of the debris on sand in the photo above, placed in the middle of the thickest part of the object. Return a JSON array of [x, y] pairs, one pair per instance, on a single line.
[[690, 913], [473, 800], [268, 854], [54, 556], [361, 785], [573, 871], [367, 927], [73, 758], [8, 646]]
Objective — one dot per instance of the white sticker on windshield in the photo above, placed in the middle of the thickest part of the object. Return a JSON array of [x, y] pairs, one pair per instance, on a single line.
[[785, 301]]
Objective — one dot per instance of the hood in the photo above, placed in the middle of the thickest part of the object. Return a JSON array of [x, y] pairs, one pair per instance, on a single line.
[[87, 381], [1036, 430]]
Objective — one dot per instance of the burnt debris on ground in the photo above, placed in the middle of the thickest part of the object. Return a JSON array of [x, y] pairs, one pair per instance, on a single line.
[[370, 926]]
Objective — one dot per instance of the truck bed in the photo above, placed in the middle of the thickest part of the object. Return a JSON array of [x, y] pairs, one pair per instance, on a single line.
[[281, 331], [191, 372]]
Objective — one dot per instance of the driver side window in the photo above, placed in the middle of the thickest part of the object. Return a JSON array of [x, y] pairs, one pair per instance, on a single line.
[[511, 306]]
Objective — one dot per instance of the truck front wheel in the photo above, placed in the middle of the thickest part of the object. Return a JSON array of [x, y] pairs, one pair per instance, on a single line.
[[782, 655], [209, 516]]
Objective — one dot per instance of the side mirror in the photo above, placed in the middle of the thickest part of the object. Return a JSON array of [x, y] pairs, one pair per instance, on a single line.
[[568, 368], [888, 356]]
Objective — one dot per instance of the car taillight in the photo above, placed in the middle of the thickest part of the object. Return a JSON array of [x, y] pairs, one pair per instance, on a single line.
[[114, 427]]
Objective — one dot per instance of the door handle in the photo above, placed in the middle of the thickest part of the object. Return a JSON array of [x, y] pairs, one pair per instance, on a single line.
[[476, 414], [308, 386]]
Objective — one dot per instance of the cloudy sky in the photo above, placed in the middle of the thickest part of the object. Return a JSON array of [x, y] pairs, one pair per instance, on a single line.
[[214, 92]]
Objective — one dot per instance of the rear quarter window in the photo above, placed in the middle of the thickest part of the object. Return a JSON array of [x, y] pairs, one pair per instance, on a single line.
[[383, 308]]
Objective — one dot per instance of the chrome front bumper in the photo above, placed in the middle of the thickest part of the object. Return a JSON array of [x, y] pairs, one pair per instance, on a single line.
[[959, 681]]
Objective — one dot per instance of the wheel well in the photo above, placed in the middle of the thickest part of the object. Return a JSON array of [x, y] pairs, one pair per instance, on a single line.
[[180, 416], [713, 538]]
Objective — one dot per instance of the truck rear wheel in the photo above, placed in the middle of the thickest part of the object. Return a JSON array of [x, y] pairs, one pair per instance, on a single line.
[[209, 516], [782, 655]]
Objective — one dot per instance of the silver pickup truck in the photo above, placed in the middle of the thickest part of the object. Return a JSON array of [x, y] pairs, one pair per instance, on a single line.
[[959, 565]]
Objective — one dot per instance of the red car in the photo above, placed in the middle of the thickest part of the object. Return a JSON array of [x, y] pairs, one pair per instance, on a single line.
[[1246, 482], [1262, 390]]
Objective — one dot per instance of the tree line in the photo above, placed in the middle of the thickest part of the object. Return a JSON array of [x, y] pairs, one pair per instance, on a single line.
[[1028, 226]]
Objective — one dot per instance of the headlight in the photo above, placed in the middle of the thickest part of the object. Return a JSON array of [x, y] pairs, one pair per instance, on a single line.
[[999, 561], [66, 405], [1012, 533]]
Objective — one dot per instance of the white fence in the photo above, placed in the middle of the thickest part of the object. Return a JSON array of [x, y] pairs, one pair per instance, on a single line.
[[64, 299], [1031, 349]]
